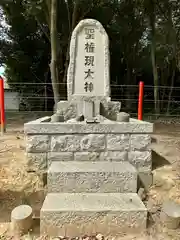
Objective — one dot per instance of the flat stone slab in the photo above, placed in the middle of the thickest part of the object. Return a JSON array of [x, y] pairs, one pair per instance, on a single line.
[[85, 176], [76, 214], [42, 127]]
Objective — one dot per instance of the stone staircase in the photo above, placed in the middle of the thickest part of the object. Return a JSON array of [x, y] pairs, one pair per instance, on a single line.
[[90, 197]]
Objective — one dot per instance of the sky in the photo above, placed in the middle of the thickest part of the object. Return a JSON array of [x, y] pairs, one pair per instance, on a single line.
[[1, 70]]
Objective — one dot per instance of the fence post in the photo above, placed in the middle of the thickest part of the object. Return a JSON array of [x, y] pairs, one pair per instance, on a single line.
[[140, 102], [2, 108]]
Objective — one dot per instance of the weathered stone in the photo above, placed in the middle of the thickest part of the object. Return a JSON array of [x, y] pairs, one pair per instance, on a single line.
[[101, 156], [60, 156], [85, 108], [37, 143], [73, 143], [122, 117], [21, 220], [170, 214], [87, 156], [140, 142], [114, 156], [75, 77], [92, 177], [118, 142], [97, 108], [65, 143], [141, 160], [133, 126], [76, 214], [57, 117], [93, 142], [69, 109], [36, 161], [110, 109]]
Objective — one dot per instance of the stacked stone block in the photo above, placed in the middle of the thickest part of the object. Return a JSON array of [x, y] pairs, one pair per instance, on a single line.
[[90, 164], [43, 148]]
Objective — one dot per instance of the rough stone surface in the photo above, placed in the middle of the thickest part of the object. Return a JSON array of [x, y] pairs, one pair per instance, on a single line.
[[107, 108], [60, 156], [115, 156], [68, 108], [37, 143], [36, 161], [141, 160], [87, 156], [21, 219], [134, 126], [140, 142], [118, 142], [57, 117], [76, 214], [110, 109], [170, 215], [123, 117], [92, 177], [101, 156], [93, 142], [73, 143]]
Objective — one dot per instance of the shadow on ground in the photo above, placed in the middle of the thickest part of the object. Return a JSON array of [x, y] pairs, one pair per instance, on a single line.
[[158, 160]]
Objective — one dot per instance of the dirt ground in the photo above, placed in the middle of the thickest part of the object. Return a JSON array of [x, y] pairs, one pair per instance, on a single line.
[[17, 186]]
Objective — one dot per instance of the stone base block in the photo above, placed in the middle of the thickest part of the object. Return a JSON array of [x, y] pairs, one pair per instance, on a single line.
[[92, 177], [141, 160], [88, 213], [108, 108]]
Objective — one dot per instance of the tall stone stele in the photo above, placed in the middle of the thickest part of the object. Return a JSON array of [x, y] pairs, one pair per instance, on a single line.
[[94, 167], [88, 73]]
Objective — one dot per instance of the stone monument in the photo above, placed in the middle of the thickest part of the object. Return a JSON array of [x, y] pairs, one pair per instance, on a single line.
[[94, 158]]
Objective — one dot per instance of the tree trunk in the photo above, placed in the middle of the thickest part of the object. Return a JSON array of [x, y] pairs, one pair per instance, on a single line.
[[152, 21], [155, 76], [75, 17], [53, 65], [170, 92], [173, 42]]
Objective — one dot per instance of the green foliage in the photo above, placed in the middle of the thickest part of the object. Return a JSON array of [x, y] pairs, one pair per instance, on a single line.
[[25, 46]]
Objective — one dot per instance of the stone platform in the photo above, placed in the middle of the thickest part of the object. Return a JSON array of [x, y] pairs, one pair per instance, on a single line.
[[76, 214], [69, 177], [93, 174], [106, 141]]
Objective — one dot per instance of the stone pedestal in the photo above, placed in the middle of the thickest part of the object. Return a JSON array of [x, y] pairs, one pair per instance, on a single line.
[[104, 160]]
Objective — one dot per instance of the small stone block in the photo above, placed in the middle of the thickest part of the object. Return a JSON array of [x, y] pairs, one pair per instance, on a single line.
[[57, 118], [170, 214], [123, 117], [77, 214], [21, 220], [88, 110], [92, 177], [97, 107]]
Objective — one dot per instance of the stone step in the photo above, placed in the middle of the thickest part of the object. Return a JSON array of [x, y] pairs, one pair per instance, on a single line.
[[77, 214], [77, 177]]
